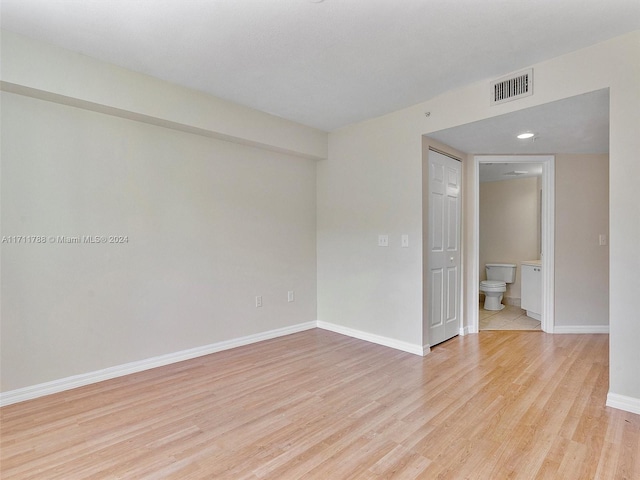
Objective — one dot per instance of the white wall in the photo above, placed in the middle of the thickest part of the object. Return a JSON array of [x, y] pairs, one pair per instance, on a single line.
[[370, 182], [49, 72], [509, 229], [581, 264], [210, 225], [364, 190]]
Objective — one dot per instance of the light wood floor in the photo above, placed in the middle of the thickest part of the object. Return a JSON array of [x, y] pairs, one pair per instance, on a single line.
[[318, 405]]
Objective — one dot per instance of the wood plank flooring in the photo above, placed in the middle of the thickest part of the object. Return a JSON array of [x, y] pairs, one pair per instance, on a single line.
[[318, 405]]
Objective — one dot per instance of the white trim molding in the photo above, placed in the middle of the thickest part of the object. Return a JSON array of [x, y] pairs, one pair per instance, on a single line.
[[581, 329], [622, 402], [75, 381], [421, 350]]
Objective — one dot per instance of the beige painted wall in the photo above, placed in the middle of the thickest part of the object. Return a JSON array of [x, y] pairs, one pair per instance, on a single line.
[[366, 189], [209, 225], [581, 264], [509, 228]]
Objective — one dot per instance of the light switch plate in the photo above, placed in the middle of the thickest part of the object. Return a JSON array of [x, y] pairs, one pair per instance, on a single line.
[[383, 240], [602, 239]]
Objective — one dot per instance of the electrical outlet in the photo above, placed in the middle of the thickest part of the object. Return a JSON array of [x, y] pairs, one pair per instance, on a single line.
[[383, 240], [290, 296], [258, 301]]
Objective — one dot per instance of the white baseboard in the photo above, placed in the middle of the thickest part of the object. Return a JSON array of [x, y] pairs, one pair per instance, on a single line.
[[373, 338], [55, 386], [622, 402], [27, 393], [581, 329]]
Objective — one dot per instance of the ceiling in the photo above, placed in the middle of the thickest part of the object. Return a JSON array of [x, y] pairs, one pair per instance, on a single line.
[[577, 124], [493, 172], [327, 63]]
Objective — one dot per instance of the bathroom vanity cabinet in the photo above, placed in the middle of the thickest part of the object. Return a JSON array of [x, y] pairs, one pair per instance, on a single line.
[[531, 300]]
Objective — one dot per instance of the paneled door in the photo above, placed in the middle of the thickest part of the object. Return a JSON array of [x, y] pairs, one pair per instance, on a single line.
[[443, 257]]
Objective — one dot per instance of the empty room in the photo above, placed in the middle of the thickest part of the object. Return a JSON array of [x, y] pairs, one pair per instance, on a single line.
[[319, 239]]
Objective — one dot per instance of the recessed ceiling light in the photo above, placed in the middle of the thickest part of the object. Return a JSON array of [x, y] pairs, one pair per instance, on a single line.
[[524, 136]]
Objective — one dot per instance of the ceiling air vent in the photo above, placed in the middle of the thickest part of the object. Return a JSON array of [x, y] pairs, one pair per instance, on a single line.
[[512, 87]]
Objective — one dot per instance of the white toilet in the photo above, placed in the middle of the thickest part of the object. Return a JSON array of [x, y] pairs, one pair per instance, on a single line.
[[498, 275]]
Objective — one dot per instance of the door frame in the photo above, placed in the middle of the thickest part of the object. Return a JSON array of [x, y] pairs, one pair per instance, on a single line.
[[547, 236]]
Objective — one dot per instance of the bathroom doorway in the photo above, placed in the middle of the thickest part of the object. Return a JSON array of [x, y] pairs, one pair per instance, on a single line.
[[510, 233], [541, 245]]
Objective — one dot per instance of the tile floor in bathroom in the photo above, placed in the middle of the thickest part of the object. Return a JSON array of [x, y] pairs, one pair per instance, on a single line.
[[509, 318]]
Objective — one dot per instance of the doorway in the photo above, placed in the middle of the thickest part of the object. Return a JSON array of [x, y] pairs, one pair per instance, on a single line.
[[546, 240]]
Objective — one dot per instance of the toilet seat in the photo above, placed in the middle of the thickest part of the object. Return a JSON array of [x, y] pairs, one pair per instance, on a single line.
[[493, 290], [493, 286]]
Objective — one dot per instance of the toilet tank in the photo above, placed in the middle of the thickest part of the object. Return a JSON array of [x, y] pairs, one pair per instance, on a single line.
[[504, 272]]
